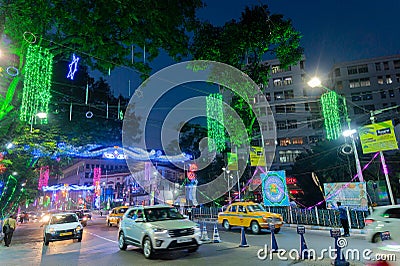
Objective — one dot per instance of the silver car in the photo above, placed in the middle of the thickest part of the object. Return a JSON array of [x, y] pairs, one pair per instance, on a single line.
[[158, 228], [383, 218]]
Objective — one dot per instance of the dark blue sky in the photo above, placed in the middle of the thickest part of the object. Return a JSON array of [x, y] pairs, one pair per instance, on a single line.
[[333, 31]]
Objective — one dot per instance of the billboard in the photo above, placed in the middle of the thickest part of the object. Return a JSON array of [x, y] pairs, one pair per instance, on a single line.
[[274, 188], [378, 137], [232, 161], [257, 156], [353, 194]]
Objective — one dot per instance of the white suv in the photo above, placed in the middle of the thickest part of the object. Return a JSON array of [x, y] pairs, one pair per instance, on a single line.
[[158, 228], [384, 218]]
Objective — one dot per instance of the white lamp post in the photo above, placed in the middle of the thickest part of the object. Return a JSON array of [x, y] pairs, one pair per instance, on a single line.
[[229, 177], [316, 82]]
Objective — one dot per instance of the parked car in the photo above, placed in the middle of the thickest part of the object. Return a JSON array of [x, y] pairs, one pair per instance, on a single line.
[[115, 215], [249, 215], [83, 219], [383, 218], [158, 228], [62, 226]]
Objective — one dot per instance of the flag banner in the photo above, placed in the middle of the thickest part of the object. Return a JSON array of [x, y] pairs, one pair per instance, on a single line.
[[233, 161], [378, 137], [274, 188], [257, 156]]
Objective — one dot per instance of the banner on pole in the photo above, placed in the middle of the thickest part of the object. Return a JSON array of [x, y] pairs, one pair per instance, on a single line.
[[232, 161], [378, 137], [274, 188], [257, 156]]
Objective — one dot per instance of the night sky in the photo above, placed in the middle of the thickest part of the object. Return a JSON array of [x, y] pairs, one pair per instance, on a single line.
[[333, 31]]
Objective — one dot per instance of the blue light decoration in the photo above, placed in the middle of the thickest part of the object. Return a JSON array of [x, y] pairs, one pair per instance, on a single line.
[[61, 187], [73, 67], [275, 192]]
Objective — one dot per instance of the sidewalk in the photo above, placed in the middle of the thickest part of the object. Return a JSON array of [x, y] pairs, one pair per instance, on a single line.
[[325, 228]]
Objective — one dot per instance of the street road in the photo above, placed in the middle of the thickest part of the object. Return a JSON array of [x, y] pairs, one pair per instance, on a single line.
[[99, 247]]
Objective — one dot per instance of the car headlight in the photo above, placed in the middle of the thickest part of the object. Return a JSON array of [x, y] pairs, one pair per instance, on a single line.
[[84, 218], [52, 230], [159, 230], [45, 218]]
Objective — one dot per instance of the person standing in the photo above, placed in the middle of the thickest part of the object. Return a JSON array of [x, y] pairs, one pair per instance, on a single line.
[[343, 218], [8, 229]]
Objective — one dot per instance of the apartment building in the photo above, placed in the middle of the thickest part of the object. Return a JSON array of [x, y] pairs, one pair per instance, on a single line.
[[368, 85]]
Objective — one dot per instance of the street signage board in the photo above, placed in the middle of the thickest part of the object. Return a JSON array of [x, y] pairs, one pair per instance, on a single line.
[[378, 137]]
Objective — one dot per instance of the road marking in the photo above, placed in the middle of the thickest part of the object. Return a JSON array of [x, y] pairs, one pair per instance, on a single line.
[[113, 241]]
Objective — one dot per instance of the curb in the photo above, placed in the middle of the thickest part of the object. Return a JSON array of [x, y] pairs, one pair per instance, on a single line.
[[325, 228]]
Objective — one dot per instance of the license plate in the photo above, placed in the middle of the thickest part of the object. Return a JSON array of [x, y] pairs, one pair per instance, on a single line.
[[184, 240], [66, 234]]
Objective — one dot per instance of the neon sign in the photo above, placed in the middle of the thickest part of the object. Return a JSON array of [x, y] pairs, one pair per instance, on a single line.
[[73, 67]]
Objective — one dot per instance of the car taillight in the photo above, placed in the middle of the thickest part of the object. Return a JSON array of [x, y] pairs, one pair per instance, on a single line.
[[368, 221]]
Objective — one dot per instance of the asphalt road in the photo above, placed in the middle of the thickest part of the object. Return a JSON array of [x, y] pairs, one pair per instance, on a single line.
[[99, 247]]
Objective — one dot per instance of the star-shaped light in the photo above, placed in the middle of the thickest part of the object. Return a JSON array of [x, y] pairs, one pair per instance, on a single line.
[[73, 67]]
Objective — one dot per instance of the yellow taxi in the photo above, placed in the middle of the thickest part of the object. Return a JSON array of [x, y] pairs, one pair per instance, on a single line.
[[115, 215], [249, 214]]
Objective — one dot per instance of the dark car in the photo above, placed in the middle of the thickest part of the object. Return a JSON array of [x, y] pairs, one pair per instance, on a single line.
[[82, 217]]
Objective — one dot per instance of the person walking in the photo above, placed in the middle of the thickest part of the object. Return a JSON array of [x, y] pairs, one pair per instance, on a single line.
[[343, 218], [8, 229]]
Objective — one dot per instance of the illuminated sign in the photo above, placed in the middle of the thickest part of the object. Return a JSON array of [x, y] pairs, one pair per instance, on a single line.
[[291, 180], [274, 188], [378, 137]]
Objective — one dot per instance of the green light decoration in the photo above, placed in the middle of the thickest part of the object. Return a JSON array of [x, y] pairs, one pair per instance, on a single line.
[[331, 114], [36, 93], [215, 122], [6, 187]]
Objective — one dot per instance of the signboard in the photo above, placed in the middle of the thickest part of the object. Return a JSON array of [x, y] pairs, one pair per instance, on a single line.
[[378, 137], [301, 229], [353, 194], [232, 161], [257, 156], [335, 232], [274, 188]]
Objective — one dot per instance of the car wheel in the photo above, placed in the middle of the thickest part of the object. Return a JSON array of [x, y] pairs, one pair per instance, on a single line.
[[147, 248], [276, 230], [46, 242], [226, 225], [121, 242], [255, 227], [376, 238], [191, 250]]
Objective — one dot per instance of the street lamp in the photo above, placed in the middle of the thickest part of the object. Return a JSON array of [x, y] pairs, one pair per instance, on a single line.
[[41, 115], [229, 177], [316, 82]]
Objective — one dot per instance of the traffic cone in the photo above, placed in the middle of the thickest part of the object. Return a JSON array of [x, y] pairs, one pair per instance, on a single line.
[[204, 235], [304, 253], [243, 241], [274, 244], [216, 238]]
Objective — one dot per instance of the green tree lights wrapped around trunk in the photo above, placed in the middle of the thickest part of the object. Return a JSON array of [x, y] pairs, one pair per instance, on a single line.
[[330, 111], [215, 122], [36, 93]]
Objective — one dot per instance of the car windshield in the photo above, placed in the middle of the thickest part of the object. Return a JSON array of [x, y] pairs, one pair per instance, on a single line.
[[64, 218], [255, 208], [123, 210], [160, 214]]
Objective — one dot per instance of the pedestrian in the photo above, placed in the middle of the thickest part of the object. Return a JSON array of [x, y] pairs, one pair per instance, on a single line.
[[343, 218], [8, 229], [190, 213], [101, 212]]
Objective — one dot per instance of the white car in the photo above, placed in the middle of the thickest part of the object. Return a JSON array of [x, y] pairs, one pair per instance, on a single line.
[[62, 226], [158, 228], [383, 218]]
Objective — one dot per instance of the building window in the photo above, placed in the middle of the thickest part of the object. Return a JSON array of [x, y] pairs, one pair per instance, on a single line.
[[270, 125], [385, 65], [292, 124], [354, 83], [370, 107], [339, 85], [378, 66], [383, 94], [398, 78], [284, 142], [277, 82], [364, 82], [301, 64], [278, 96], [289, 94], [280, 109], [281, 125], [358, 110], [307, 107], [380, 80], [367, 96], [388, 79], [268, 96], [288, 156], [391, 93], [337, 72], [275, 69], [396, 64], [287, 81], [356, 97], [363, 69], [352, 70], [297, 141], [290, 108]]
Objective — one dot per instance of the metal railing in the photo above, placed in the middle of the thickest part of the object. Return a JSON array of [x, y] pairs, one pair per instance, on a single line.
[[317, 217]]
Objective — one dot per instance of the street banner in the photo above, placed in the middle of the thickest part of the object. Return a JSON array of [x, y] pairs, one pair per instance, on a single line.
[[378, 137], [232, 161], [257, 156], [351, 194], [274, 188]]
